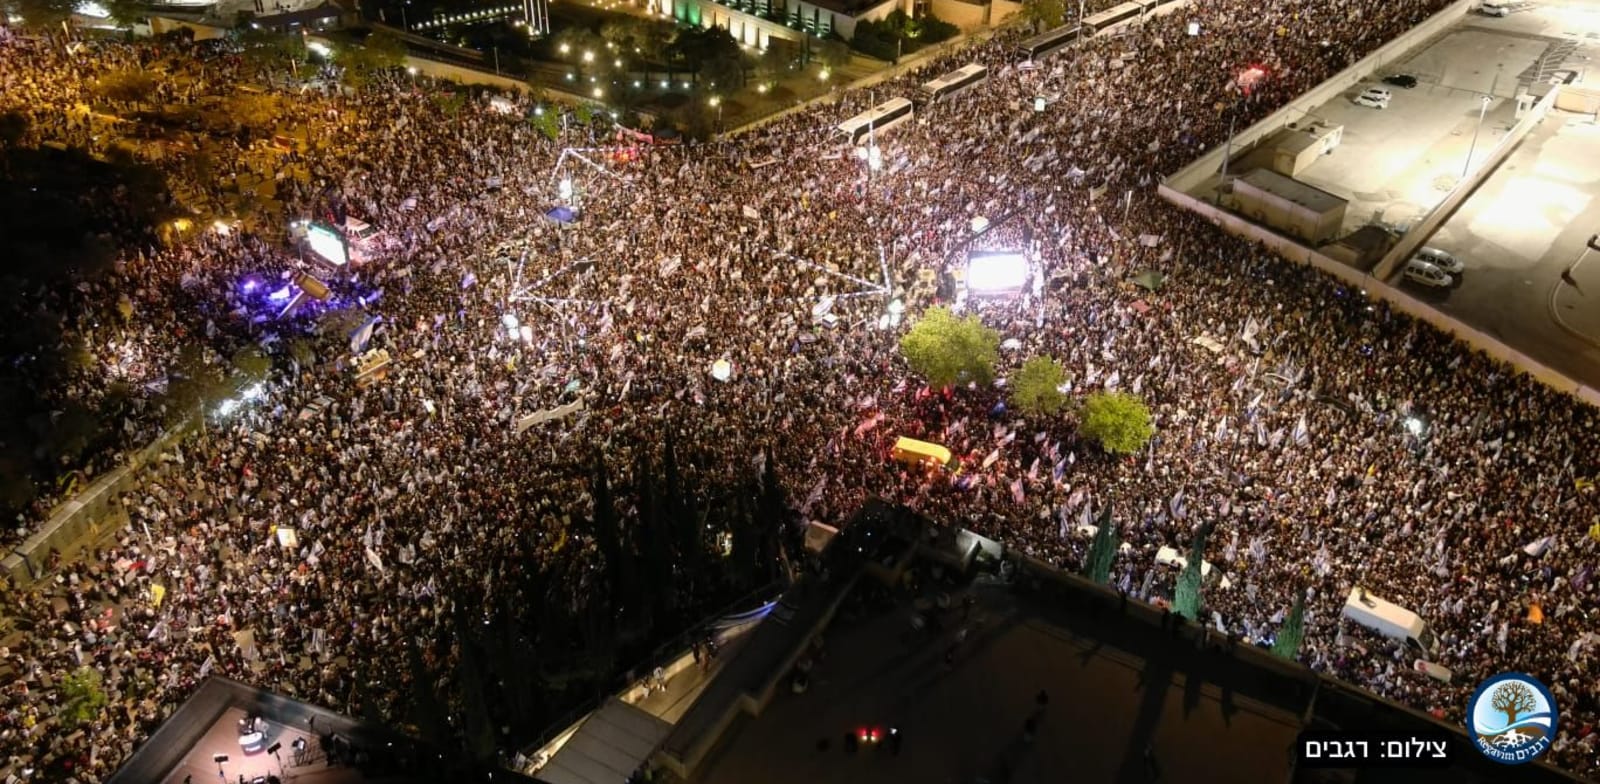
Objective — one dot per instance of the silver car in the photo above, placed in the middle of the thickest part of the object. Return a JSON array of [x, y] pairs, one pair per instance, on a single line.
[[1441, 259], [1418, 271]]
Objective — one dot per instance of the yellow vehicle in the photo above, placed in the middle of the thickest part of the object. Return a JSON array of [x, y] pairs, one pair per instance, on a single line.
[[913, 452]]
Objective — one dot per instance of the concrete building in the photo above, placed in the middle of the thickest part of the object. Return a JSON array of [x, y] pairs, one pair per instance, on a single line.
[[1304, 212], [1299, 146], [755, 22]]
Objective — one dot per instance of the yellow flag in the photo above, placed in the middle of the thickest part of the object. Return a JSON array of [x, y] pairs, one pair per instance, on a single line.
[[157, 593]]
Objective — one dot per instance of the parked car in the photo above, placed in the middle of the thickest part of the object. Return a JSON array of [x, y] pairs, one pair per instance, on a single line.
[[1401, 80], [1494, 8], [1441, 259], [1426, 274], [1374, 97]]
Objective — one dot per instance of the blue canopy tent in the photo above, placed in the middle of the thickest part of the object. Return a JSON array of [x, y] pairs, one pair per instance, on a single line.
[[562, 214]]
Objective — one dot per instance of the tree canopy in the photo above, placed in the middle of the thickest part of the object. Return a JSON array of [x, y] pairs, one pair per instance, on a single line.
[[1103, 550], [1287, 645], [41, 14], [82, 696], [946, 350], [1044, 14], [1118, 421], [1036, 389], [1186, 596]]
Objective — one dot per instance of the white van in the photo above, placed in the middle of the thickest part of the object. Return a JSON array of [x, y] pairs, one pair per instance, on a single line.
[[1170, 557], [1390, 620]]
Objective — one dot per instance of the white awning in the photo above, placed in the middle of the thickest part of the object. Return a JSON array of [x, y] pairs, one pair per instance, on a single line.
[[612, 743]]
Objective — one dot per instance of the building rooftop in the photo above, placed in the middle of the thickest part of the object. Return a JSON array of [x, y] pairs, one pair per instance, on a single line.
[[944, 683], [1293, 190], [337, 750]]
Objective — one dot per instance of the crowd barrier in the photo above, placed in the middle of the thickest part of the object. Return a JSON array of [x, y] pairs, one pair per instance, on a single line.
[[92, 511], [1375, 288]]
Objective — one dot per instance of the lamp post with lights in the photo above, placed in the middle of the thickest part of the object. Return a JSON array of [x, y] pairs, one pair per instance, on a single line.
[[1246, 82]]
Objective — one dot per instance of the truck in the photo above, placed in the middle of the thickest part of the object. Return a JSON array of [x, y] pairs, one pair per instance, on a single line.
[[1391, 620]]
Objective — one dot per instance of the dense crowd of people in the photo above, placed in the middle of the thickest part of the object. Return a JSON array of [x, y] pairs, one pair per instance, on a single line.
[[1331, 442]]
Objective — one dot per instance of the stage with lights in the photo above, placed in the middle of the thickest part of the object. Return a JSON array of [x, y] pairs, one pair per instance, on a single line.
[[210, 738], [996, 274]]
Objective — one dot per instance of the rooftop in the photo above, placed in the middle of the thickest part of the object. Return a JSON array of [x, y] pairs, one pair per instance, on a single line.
[[1046, 678], [1308, 196], [337, 750]]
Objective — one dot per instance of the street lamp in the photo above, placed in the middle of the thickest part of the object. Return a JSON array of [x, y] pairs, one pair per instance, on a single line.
[[566, 48], [1246, 81], [588, 57], [1482, 109], [716, 102]]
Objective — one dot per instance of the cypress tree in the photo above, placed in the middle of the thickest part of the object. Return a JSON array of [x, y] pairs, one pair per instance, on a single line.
[[1186, 598], [1103, 550], [1287, 646]]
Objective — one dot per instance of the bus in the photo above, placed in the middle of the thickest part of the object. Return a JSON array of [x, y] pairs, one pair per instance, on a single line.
[[1116, 14], [1049, 42], [920, 453], [954, 82], [878, 119]]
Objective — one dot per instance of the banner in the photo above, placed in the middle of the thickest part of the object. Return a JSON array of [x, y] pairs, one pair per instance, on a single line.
[[539, 417]]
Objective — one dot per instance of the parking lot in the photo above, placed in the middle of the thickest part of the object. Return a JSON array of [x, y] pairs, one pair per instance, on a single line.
[[1529, 220], [1522, 228]]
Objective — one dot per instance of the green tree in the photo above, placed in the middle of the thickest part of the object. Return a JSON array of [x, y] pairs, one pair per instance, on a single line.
[[1118, 421], [723, 73], [694, 47], [269, 50], [548, 123], [125, 13], [42, 14], [1287, 645], [1037, 387], [253, 363], [946, 350], [82, 696], [833, 53], [380, 52], [1044, 14], [130, 86], [13, 129], [1186, 597], [385, 50], [1103, 550]]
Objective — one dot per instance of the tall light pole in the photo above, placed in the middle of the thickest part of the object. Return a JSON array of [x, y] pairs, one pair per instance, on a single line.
[[1484, 108], [1246, 81]]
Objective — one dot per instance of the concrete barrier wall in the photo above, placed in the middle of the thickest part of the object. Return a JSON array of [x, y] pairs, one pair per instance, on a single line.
[[1375, 288], [1464, 188], [95, 510], [1193, 175]]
